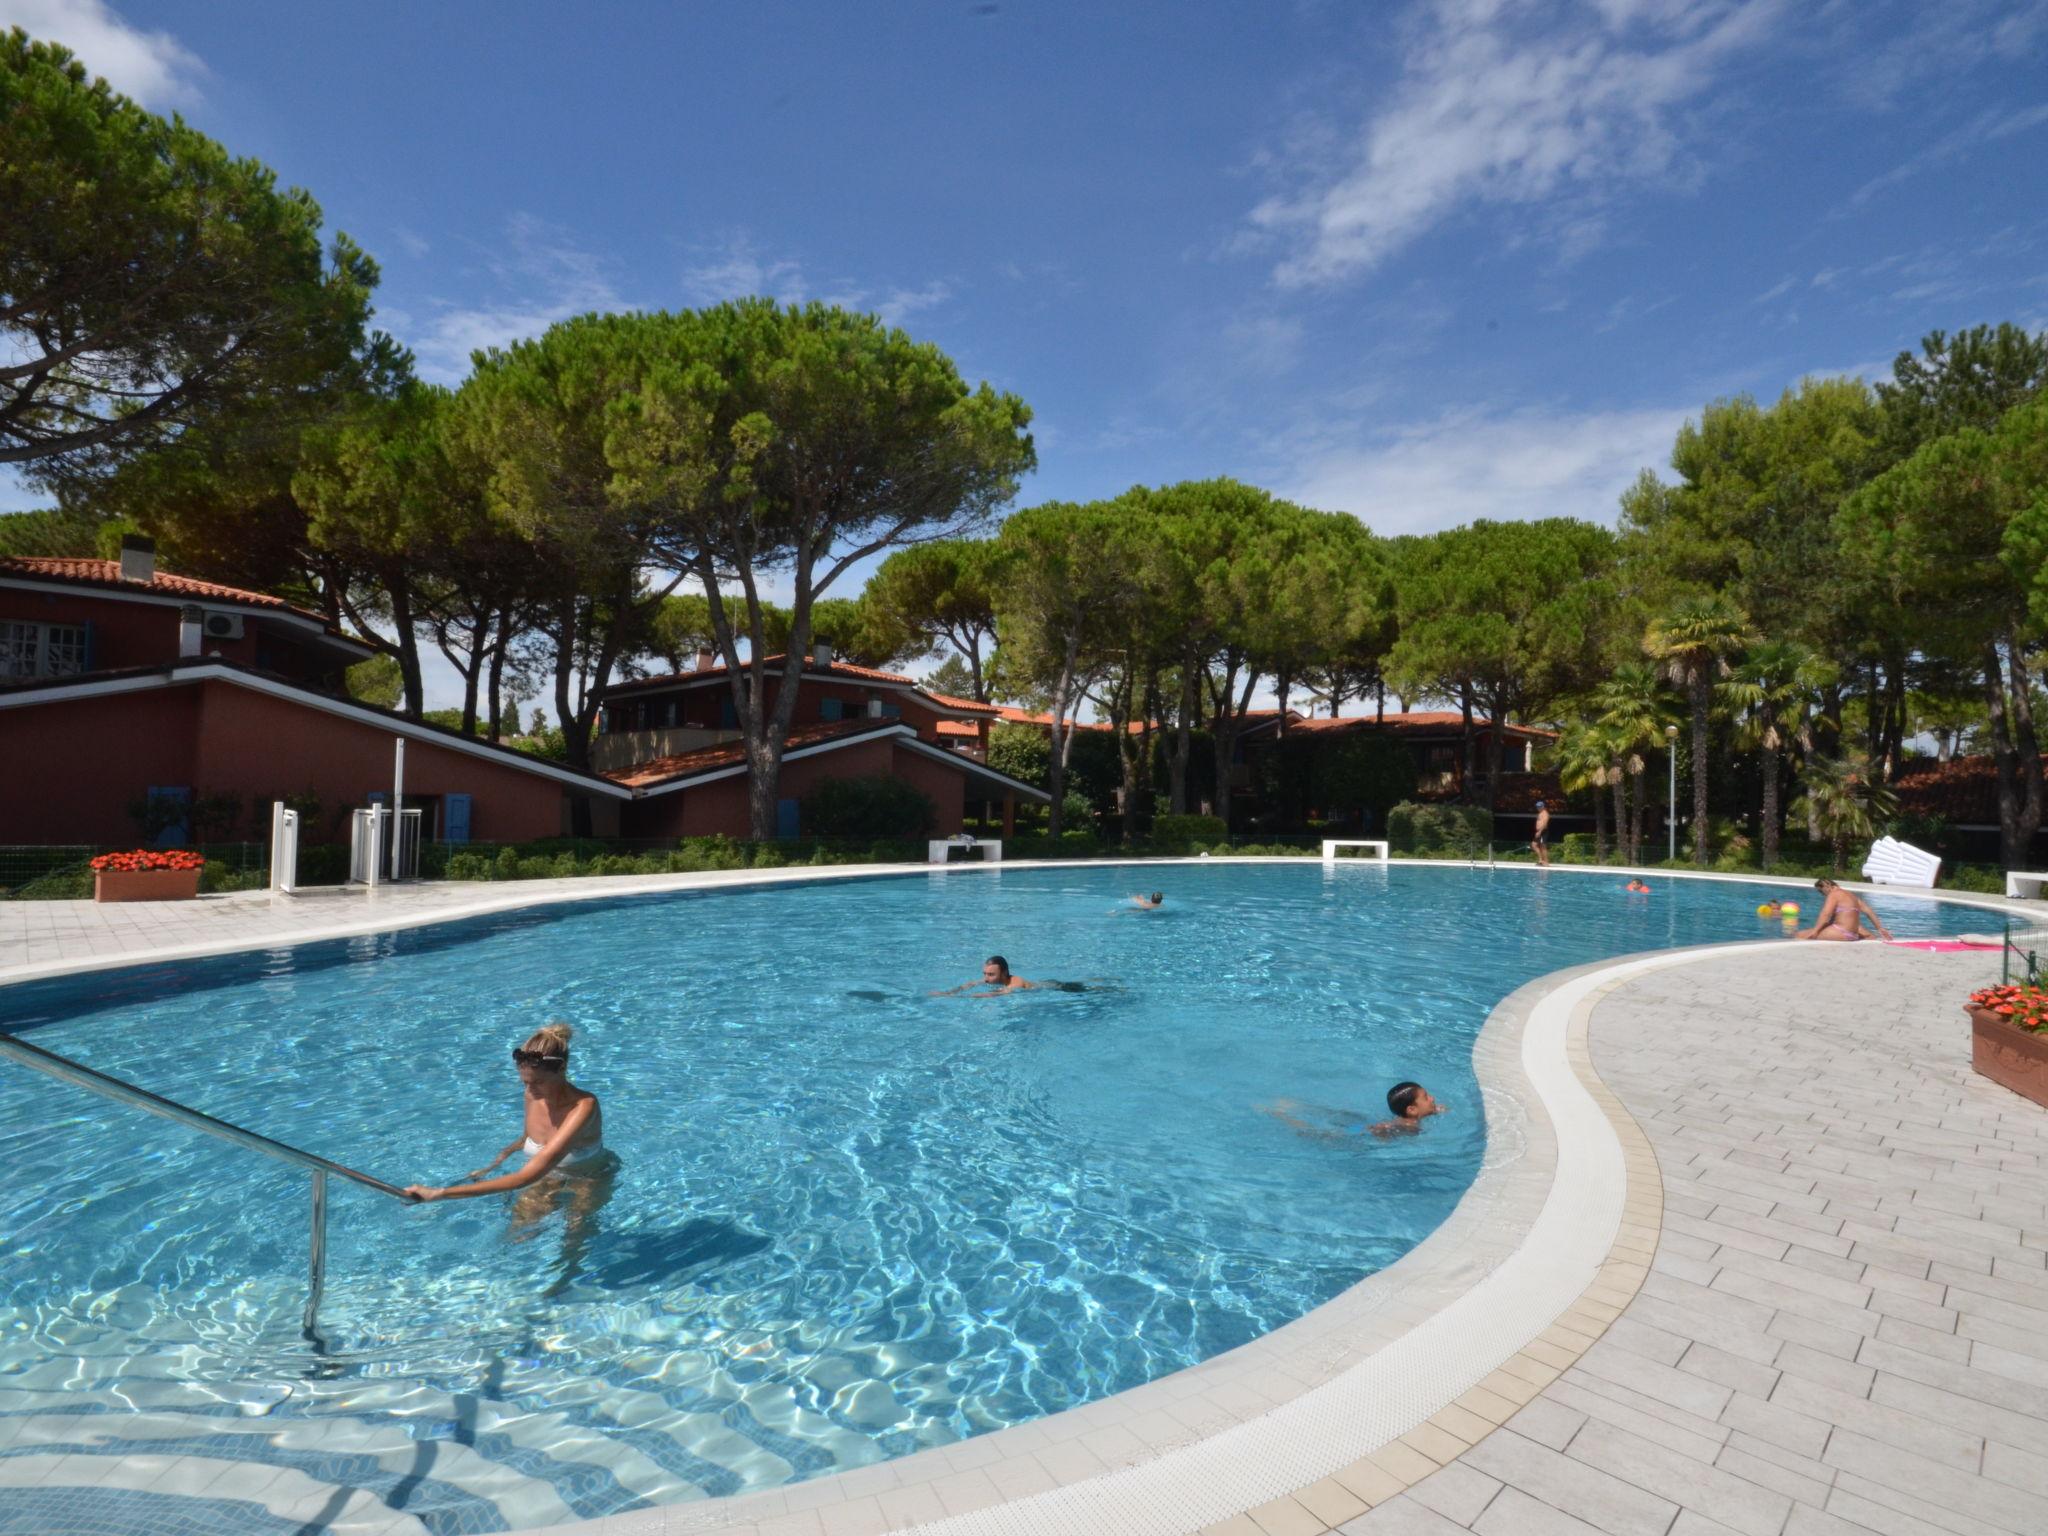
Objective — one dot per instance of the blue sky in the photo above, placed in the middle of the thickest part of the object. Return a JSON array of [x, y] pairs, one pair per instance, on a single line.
[[1422, 262]]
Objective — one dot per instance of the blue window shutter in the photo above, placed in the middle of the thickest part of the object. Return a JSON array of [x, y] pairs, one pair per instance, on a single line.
[[832, 709], [728, 717], [455, 813], [786, 814], [177, 794]]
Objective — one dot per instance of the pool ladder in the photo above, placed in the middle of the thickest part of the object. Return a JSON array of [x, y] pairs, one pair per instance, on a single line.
[[64, 1069]]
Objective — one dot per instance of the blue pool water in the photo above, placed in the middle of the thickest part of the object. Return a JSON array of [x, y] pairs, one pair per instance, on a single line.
[[849, 1219]]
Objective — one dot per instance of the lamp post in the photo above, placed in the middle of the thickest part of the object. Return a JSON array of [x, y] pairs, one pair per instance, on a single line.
[[1671, 805]]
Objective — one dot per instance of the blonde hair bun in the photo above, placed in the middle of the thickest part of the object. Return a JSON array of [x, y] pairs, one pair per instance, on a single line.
[[552, 1037]]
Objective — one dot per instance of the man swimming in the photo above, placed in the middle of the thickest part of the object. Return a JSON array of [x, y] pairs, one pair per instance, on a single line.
[[1842, 917], [995, 976], [1150, 903]]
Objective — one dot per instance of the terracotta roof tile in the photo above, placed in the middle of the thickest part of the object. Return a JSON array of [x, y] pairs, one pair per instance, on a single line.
[[107, 573], [730, 754], [969, 706], [1963, 790]]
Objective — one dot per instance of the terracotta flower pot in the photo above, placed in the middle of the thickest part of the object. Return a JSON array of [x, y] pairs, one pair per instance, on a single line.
[[145, 885], [2011, 1057]]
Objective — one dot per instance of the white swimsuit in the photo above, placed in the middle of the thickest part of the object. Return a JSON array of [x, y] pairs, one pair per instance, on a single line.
[[582, 1152]]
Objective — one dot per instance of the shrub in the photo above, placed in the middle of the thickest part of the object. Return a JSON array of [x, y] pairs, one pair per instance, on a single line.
[[877, 806], [1181, 831], [1460, 829]]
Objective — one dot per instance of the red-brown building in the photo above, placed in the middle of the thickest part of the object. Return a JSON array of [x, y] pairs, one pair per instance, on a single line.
[[130, 698], [674, 741]]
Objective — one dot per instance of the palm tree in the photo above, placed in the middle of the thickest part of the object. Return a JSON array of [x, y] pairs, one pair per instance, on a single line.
[[1844, 801], [1583, 761], [1772, 694], [1633, 706], [1692, 643]]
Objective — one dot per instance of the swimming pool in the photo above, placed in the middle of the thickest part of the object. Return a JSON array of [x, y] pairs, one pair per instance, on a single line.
[[850, 1221]]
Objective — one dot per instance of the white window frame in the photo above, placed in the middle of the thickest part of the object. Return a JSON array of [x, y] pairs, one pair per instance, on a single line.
[[43, 641]]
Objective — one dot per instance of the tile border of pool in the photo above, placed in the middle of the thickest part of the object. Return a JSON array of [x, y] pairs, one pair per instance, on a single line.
[[1312, 1424]]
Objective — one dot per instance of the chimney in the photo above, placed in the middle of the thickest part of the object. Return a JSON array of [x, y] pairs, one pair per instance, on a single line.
[[138, 557], [706, 660], [191, 631], [821, 653]]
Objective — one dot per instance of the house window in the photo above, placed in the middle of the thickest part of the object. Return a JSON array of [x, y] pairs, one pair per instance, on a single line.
[[19, 647], [831, 709], [41, 650]]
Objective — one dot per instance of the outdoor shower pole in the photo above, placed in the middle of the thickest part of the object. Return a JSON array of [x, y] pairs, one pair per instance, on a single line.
[[397, 805], [1671, 806]]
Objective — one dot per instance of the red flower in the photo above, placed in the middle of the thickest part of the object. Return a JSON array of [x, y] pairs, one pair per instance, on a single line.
[[143, 859]]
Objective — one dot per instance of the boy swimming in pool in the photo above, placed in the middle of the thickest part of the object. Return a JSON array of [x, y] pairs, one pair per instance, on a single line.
[[1411, 1104]]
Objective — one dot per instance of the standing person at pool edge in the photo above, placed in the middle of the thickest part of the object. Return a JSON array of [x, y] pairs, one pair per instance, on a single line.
[[1541, 847], [564, 1123]]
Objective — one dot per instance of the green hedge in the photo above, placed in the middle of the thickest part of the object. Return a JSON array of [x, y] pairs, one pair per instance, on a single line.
[[873, 806], [1182, 831], [1451, 829]]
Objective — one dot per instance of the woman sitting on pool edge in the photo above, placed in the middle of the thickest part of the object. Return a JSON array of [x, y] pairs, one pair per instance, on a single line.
[[1842, 916], [564, 1123]]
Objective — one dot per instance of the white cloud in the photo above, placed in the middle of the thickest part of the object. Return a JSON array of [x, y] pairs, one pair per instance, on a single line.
[[540, 276], [153, 67], [1507, 466], [1992, 123], [1883, 60], [1493, 110], [735, 268]]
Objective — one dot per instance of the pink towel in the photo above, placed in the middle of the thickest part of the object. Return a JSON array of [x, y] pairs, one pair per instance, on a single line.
[[1939, 946]]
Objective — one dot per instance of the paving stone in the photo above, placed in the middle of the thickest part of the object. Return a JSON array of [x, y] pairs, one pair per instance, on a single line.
[[1872, 1506], [1695, 1396], [1680, 1432], [1895, 1468], [1572, 1486], [1401, 1516], [1765, 1473], [1548, 1422], [1830, 1370], [1459, 1492], [1649, 1342], [1686, 1482], [1967, 1415], [1799, 1433], [1731, 1371], [1515, 1513]]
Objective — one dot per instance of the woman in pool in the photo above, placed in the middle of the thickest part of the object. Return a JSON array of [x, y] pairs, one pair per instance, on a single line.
[[564, 1124]]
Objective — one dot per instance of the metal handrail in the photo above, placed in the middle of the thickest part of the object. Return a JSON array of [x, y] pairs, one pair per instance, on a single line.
[[63, 1068]]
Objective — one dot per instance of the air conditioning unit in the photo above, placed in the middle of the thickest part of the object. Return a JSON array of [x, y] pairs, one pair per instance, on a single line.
[[223, 626]]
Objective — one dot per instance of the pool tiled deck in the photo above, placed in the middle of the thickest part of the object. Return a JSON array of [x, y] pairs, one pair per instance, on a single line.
[[1825, 1309]]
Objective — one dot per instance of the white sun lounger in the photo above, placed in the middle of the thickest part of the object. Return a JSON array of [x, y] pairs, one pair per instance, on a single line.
[[1892, 862]]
